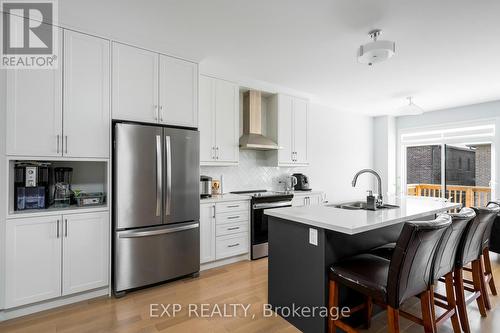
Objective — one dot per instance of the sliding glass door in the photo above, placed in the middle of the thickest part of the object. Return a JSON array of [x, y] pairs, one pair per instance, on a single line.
[[468, 174], [453, 163]]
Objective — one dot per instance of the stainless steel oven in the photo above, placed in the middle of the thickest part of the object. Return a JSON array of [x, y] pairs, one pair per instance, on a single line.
[[259, 226]]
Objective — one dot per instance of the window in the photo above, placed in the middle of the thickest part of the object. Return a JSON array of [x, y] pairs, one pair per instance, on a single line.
[[453, 163]]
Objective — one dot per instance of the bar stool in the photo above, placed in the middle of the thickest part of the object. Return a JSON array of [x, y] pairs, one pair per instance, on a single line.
[[443, 267], [470, 252], [390, 283], [488, 272]]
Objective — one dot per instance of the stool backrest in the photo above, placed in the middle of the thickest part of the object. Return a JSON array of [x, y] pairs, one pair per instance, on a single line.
[[446, 252], [471, 244], [487, 232], [411, 263]]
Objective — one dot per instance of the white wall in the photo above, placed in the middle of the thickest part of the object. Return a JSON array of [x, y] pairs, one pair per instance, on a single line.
[[384, 151], [340, 145], [469, 113]]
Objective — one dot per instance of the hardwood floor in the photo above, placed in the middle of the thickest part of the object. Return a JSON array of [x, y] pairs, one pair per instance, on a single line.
[[244, 282]]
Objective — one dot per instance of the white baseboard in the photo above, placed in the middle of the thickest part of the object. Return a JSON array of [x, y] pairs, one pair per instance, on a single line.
[[222, 262], [7, 314]]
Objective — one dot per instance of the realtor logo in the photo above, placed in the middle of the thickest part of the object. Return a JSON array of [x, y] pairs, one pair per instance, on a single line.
[[29, 40]]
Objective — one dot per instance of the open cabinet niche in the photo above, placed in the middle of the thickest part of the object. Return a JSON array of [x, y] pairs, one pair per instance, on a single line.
[[87, 177]]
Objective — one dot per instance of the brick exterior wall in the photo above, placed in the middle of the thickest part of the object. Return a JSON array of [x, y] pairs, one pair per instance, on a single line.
[[423, 165], [483, 165]]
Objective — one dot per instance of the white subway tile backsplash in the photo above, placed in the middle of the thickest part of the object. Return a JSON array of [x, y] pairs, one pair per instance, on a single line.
[[252, 173]]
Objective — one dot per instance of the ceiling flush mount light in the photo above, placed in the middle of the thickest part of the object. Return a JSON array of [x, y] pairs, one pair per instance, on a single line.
[[411, 109], [376, 51]]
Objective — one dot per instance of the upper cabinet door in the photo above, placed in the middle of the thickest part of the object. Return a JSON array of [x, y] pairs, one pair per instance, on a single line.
[[86, 95], [285, 129], [32, 260], [300, 130], [207, 119], [227, 121], [34, 111], [135, 84], [85, 252], [178, 92]]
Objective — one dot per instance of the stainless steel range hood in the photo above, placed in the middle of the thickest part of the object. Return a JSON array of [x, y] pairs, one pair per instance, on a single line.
[[252, 137]]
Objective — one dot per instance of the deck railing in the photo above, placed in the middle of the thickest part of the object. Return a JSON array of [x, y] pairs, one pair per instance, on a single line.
[[466, 195]]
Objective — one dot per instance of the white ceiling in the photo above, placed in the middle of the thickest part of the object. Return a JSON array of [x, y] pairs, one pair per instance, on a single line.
[[447, 51]]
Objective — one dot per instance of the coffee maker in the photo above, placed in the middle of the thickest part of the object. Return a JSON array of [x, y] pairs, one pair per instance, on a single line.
[[31, 185]]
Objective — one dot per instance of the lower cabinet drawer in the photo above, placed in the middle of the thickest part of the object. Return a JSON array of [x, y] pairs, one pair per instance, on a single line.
[[232, 206], [231, 228], [231, 245], [233, 217]]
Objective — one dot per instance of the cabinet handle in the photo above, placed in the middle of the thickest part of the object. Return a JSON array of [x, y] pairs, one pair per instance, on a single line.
[[213, 153], [233, 245], [233, 206], [57, 143], [217, 153], [233, 228], [66, 144], [232, 217], [57, 229], [214, 211], [65, 227], [156, 112], [161, 113]]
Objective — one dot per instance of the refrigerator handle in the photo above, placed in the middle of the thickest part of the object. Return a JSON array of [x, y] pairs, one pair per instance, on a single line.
[[159, 168], [168, 149]]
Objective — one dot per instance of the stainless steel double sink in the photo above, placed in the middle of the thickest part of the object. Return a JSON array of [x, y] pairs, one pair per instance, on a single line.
[[358, 205]]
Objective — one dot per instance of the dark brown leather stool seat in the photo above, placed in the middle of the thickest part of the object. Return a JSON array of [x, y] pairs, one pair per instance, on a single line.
[[365, 273]]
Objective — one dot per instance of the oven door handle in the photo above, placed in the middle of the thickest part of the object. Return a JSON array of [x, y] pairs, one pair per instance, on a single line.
[[272, 205]]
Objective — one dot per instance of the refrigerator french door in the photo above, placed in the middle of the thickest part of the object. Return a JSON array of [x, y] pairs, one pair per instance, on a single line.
[[156, 204]]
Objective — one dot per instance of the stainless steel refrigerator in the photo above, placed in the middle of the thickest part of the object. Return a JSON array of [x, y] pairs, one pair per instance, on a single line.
[[156, 205]]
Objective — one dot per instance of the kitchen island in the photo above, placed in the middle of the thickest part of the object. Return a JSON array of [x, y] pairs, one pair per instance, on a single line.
[[305, 241]]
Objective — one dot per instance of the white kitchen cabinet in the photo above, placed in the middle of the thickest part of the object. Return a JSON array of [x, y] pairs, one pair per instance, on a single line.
[[300, 127], [51, 256], [86, 96], [285, 129], [135, 84], [300, 200], [32, 260], [293, 123], [207, 120], [178, 92], [85, 252], [219, 122], [207, 232], [154, 88], [34, 111]]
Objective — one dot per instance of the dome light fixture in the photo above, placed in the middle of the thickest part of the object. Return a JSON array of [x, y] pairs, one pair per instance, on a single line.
[[376, 51]]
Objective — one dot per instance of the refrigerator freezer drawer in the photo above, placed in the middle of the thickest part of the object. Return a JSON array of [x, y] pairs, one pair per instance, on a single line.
[[150, 255]]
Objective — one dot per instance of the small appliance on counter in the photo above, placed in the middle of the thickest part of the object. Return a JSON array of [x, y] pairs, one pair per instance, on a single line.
[[205, 186], [31, 185], [302, 182], [62, 187]]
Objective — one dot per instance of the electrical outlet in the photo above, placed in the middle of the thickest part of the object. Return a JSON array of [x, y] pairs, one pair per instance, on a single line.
[[313, 236]]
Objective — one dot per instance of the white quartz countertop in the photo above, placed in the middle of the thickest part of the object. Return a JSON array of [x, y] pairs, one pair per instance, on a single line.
[[225, 197], [356, 221]]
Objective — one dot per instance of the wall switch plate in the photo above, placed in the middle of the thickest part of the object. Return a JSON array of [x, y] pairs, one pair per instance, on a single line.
[[313, 236]]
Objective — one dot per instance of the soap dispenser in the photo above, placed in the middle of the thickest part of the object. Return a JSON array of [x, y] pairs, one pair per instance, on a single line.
[[371, 201]]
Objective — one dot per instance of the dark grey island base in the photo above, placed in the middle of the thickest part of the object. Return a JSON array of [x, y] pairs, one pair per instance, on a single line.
[[298, 270]]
